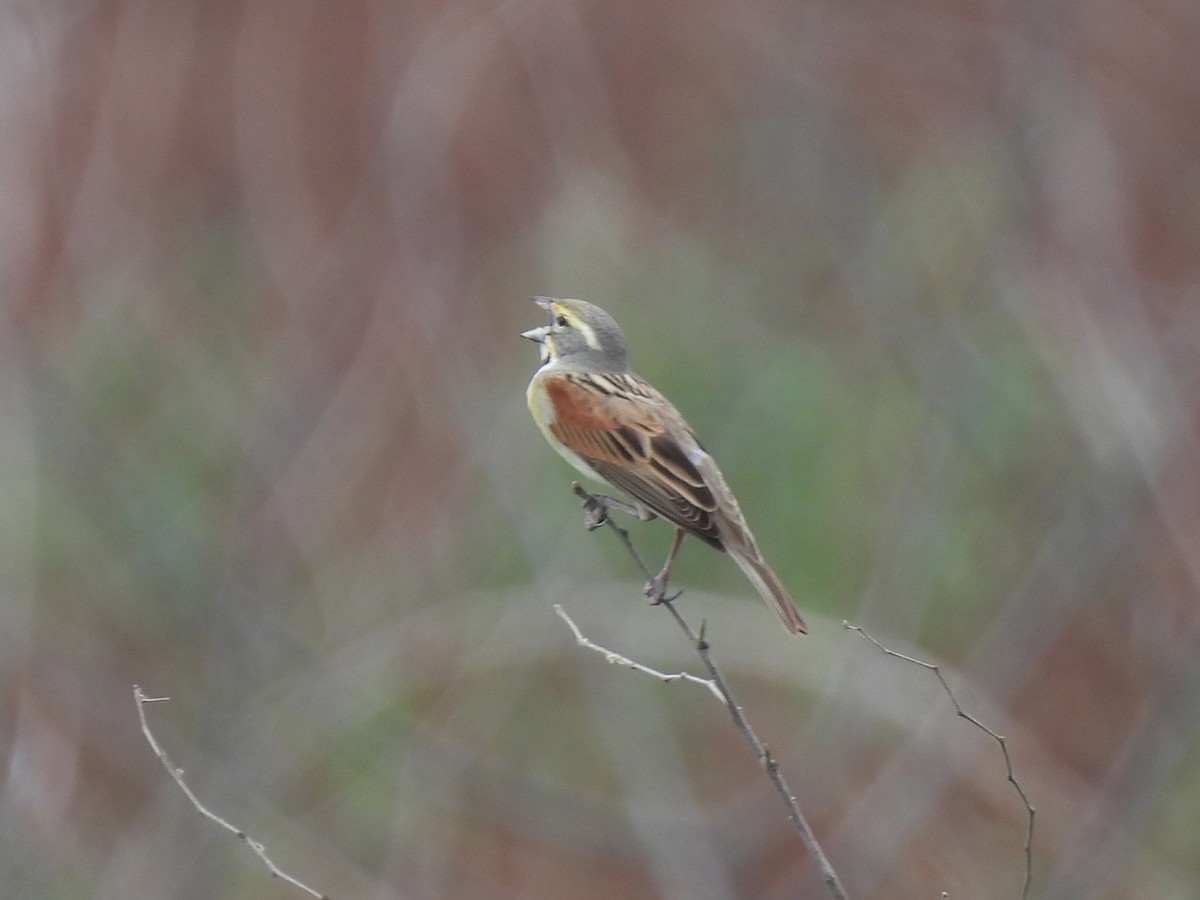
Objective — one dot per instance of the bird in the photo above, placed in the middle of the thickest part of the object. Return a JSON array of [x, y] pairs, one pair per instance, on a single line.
[[616, 428]]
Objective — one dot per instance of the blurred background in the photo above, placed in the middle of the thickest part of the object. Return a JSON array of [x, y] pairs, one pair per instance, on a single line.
[[923, 275]]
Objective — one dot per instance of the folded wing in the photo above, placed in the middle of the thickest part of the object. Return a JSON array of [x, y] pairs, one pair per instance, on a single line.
[[626, 441]]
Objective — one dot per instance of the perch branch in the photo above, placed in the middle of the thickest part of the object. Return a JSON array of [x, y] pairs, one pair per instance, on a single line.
[[594, 518]]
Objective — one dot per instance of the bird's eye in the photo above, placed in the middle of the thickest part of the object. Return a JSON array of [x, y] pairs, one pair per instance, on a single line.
[[560, 320]]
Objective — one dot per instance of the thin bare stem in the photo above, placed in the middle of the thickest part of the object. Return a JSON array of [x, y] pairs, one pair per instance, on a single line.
[[616, 659], [764, 755], [177, 774], [595, 517], [998, 738]]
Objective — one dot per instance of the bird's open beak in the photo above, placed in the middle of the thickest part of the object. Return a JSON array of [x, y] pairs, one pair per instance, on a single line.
[[539, 334]]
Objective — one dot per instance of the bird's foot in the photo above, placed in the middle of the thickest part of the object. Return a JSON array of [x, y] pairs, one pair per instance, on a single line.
[[595, 507], [655, 590]]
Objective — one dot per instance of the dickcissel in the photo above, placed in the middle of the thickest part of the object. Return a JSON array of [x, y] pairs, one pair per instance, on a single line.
[[614, 427]]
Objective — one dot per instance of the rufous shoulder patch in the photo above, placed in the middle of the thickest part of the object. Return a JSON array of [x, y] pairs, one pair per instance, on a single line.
[[577, 406]]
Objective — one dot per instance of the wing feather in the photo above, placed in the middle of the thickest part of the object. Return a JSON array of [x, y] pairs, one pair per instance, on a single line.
[[628, 442]]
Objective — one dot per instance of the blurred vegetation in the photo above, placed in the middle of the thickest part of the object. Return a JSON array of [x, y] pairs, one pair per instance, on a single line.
[[922, 277]]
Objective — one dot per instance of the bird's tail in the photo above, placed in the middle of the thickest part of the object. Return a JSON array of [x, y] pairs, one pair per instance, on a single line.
[[767, 583]]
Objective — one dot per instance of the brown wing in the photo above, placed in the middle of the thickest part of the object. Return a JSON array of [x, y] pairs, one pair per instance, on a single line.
[[619, 424]]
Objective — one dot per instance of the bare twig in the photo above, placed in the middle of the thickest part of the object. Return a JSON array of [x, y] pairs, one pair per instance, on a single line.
[[998, 738], [141, 699], [616, 659], [595, 517]]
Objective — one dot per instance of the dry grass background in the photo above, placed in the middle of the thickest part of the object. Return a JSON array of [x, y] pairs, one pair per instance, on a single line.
[[924, 275]]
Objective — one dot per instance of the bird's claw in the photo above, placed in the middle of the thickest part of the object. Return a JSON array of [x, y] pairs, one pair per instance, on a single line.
[[655, 591], [595, 512]]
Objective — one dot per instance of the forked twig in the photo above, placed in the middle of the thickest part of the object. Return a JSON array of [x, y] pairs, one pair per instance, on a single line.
[[595, 518], [177, 774], [998, 738]]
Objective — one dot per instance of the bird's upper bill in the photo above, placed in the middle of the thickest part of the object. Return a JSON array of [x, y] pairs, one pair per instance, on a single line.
[[540, 333]]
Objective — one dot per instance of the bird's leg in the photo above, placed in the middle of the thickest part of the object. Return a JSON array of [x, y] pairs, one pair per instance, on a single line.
[[656, 587], [596, 507]]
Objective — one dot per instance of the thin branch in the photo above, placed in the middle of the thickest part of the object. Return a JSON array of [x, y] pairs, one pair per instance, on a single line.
[[141, 699], [998, 738], [594, 518], [616, 659]]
